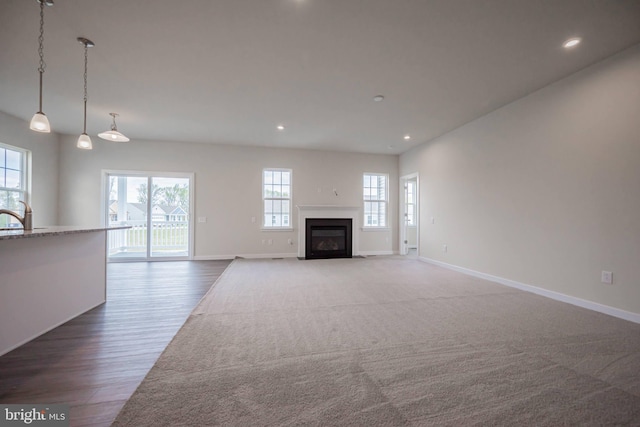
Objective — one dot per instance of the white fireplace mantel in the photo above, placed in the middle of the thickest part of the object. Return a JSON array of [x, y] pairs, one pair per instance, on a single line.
[[328, 211]]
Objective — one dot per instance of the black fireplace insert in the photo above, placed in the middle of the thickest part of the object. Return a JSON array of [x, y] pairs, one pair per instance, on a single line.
[[328, 238]]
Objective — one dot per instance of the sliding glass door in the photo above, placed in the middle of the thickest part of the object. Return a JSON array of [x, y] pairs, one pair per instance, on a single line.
[[169, 235], [156, 207]]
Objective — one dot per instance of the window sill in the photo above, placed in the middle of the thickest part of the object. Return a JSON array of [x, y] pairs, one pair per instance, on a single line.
[[276, 229], [375, 229]]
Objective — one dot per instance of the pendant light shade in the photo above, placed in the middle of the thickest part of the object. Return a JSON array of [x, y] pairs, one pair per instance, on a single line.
[[39, 122], [113, 134], [84, 141]]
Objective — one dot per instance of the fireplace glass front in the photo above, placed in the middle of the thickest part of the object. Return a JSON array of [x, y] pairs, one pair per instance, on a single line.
[[328, 238]]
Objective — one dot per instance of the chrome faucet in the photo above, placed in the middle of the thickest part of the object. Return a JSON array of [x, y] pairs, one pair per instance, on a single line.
[[27, 221]]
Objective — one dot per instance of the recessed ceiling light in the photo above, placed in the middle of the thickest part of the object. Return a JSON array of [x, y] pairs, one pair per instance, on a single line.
[[407, 137], [280, 127], [571, 42], [390, 147], [378, 98]]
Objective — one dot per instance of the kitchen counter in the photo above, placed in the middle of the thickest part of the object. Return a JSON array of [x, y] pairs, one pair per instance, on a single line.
[[48, 276], [56, 230]]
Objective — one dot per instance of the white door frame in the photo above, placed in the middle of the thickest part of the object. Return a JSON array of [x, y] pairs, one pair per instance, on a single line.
[[106, 173], [402, 221]]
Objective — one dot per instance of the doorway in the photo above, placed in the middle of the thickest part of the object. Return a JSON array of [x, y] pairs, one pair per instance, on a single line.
[[156, 207], [409, 217]]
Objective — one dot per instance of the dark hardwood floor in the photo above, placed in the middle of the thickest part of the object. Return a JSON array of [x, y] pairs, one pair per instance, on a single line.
[[95, 361]]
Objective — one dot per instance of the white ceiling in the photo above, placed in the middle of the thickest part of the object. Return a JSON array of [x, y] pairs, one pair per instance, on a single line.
[[229, 71]]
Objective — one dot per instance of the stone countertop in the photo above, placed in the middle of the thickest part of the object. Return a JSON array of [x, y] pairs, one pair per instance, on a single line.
[[55, 230]]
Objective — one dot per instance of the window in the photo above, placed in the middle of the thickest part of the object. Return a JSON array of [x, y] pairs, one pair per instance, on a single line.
[[276, 196], [13, 182], [411, 203], [375, 200]]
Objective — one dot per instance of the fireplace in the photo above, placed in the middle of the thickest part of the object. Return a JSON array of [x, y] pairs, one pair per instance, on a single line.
[[328, 238]]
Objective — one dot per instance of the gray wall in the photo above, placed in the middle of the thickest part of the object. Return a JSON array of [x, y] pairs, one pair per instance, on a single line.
[[544, 191], [228, 184], [44, 149]]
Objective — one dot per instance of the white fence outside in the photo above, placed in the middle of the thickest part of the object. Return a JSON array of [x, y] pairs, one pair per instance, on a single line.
[[168, 238]]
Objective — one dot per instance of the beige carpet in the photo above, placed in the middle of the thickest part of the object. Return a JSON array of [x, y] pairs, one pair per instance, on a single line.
[[387, 341]]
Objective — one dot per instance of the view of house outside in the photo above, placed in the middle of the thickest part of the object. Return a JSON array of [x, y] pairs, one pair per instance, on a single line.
[[130, 198]]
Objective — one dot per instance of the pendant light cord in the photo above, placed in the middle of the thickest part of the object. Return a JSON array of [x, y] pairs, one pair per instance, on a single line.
[[86, 48], [41, 50]]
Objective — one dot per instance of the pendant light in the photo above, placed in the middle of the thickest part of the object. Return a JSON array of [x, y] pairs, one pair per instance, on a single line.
[[84, 141], [39, 122], [113, 134]]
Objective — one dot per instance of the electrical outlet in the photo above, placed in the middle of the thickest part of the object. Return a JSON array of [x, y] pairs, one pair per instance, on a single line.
[[253, 219], [263, 242], [606, 277], [202, 219], [444, 248], [270, 242], [289, 241]]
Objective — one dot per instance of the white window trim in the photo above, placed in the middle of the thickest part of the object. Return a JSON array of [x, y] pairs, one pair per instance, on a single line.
[[290, 199], [385, 227]]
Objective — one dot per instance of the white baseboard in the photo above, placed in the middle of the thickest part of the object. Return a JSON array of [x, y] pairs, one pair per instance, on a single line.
[[372, 253], [248, 256], [601, 308], [282, 255]]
